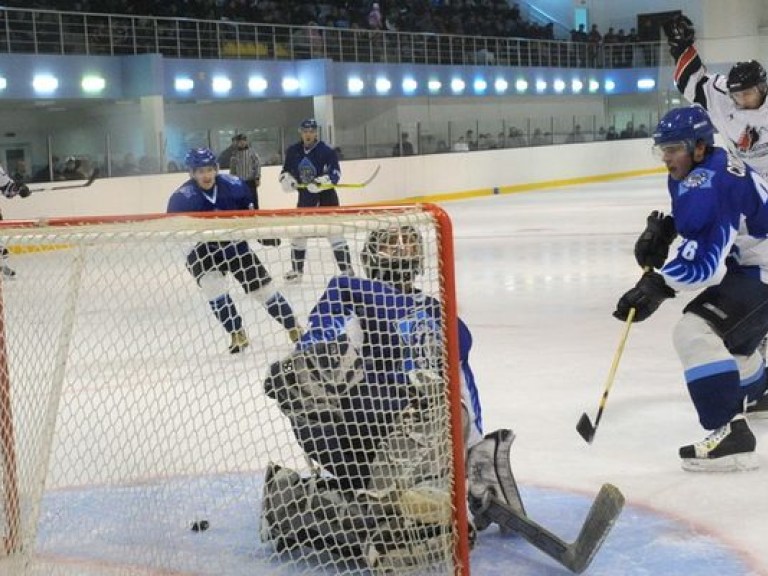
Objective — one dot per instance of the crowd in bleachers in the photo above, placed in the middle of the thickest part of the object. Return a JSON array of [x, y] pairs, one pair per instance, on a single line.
[[464, 17]]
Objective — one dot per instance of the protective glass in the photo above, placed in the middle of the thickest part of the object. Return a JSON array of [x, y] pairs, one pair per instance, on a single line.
[[670, 148]]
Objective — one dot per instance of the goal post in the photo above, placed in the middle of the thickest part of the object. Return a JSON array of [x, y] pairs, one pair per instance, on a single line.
[[134, 442]]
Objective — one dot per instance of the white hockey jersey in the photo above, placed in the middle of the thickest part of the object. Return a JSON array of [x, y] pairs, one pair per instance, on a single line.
[[745, 132]]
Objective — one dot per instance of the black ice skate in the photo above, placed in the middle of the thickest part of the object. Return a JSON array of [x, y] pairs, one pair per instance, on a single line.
[[758, 410], [730, 448]]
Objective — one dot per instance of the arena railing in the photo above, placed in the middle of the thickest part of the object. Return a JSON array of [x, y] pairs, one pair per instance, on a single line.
[[58, 32]]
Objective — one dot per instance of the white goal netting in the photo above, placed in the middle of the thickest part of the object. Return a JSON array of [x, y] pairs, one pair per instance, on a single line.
[[134, 442]]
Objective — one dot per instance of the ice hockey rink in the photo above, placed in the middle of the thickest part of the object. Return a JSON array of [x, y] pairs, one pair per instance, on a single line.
[[538, 275]]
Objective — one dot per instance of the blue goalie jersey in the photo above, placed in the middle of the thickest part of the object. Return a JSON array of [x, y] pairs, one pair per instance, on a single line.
[[721, 214], [394, 332]]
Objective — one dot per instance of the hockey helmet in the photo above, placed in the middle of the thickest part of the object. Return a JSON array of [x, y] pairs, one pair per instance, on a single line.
[[394, 255], [200, 157], [687, 125], [308, 124], [745, 75]]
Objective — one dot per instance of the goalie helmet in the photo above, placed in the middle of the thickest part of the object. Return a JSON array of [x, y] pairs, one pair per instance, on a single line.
[[746, 75], [687, 125], [199, 158], [394, 255]]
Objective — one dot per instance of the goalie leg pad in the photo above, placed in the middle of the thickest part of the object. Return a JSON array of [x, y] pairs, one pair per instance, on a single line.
[[489, 473]]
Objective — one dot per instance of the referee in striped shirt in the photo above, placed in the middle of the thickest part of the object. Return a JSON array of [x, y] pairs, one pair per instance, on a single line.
[[245, 164]]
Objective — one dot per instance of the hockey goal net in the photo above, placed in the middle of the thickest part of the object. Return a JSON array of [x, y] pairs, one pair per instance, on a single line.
[[133, 442]]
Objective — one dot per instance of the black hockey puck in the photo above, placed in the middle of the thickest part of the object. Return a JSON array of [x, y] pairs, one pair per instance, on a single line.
[[200, 525]]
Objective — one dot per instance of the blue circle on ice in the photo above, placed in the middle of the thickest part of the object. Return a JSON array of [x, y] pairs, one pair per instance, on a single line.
[[641, 543]]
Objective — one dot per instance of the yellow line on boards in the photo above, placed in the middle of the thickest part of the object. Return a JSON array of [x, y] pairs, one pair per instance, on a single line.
[[517, 188]]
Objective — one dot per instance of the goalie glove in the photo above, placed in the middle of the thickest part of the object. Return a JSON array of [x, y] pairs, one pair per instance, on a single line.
[[288, 182], [645, 297], [652, 247], [680, 34], [319, 184], [309, 384]]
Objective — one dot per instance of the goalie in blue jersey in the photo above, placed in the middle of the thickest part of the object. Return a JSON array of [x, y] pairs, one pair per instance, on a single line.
[[209, 262], [362, 391], [720, 210]]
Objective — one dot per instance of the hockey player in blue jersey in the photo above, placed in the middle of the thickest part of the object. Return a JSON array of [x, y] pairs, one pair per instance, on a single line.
[[720, 210], [311, 168], [208, 262]]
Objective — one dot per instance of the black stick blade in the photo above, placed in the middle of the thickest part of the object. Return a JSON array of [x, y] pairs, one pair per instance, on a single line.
[[585, 428]]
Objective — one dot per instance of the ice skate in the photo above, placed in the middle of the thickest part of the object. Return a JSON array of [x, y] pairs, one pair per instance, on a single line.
[[758, 410], [293, 277], [239, 342], [730, 448]]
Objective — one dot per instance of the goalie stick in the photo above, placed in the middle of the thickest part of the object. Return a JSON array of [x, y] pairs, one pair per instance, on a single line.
[[91, 178], [575, 556]]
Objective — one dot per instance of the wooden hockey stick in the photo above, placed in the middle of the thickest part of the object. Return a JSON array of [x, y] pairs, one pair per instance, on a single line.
[[585, 427], [91, 178]]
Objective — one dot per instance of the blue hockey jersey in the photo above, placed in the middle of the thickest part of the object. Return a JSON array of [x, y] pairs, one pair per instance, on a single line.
[[307, 164], [228, 193], [721, 214], [394, 332]]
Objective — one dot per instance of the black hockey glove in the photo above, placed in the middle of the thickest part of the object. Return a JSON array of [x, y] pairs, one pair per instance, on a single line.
[[652, 247], [680, 34], [24, 190], [645, 297]]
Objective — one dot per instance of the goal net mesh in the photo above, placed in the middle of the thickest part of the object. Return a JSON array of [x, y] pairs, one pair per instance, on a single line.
[[133, 442]]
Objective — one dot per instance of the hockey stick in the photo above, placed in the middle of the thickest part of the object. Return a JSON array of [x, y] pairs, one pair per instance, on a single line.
[[91, 178], [584, 426], [575, 556], [362, 184]]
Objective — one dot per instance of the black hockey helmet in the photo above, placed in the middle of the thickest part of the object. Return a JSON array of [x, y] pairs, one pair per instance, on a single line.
[[745, 75], [394, 254]]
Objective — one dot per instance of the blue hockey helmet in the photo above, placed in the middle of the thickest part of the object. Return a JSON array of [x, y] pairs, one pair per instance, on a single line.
[[394, 255], [308, 124], [687, 125], [200, 157]]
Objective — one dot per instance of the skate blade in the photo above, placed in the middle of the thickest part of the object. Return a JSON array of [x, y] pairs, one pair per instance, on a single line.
[[735, 463]]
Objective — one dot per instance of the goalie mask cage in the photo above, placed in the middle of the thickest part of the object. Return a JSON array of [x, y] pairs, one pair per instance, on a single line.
[[124, 419]]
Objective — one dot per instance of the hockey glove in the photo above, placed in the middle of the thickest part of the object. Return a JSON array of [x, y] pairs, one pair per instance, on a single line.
[[24, 191], [680, 34], [652, 247], [319, 184], [288, 182], [645, 297], [12, 189]]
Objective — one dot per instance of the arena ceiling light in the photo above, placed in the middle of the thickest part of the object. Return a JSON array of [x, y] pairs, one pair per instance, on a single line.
[[3, 83], [383, 85], [541, 85], [257, 84], [594, 86], [183, 84], [646, 84], [410, 85], [577, 86], [434, 85], [355, 85], [457, 85], [290, 84], [93, 84], [45, 83], [221, 85], [558, 85], [609, 85], [521, 85], [500, 85], [480, 85]]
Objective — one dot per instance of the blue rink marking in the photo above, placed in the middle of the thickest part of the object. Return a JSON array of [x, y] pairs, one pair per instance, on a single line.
[[641, 543]]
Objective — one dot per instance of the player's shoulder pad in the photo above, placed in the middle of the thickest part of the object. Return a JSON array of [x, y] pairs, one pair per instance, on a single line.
[[228, 179]]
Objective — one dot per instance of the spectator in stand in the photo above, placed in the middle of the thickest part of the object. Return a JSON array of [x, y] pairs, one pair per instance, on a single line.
[[578, 46], [226, 156], [575, 136], [20, 174], [610, 40], [72, 169], [628, 132], [611, 134], [629, 48], [539, 139], [403, 147], [641, 132], [594, 39], [44, 174], [375, 19]]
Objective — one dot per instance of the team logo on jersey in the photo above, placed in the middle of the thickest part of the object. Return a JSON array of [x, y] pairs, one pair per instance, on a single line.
[[747, 139], [307, 171], [696, 179]]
